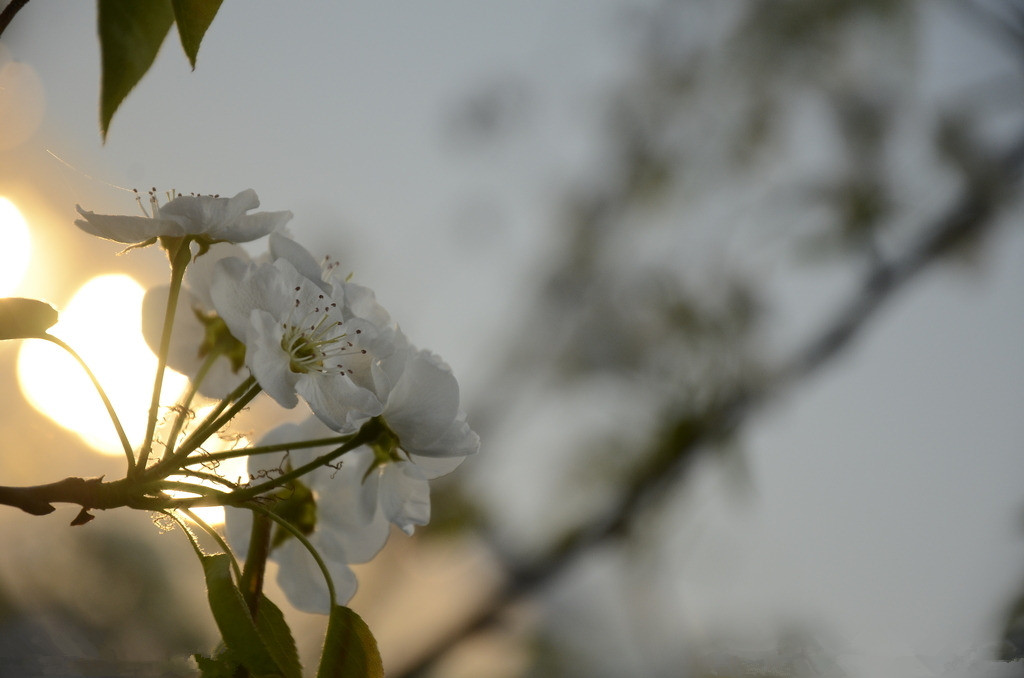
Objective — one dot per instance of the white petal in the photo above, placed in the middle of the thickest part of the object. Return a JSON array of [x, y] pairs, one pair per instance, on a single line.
[[458, 441], [251, 226], [283, 247], [199, 274], [348, 519], [303, 582], [424, 402], [126, 229], [337, 401], [267, 361], [199, 214], [404, 496]]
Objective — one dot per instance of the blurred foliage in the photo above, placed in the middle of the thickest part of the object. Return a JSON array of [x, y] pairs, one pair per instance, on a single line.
[[636, 300], [93, 614]]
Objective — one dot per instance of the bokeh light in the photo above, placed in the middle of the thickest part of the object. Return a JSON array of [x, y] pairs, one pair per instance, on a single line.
[[17, 247], [102, 323]]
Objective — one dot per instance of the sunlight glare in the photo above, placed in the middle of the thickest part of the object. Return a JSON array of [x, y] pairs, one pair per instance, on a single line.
[[16, 249], [103, 323]]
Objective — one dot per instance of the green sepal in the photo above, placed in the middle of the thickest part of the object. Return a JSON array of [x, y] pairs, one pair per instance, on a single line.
[[193, 18], [131, 32], [297, 506], [350, 650], [264, 648], [25, 318]]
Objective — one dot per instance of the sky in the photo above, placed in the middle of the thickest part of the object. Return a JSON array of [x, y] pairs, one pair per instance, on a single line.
[[885, 501]]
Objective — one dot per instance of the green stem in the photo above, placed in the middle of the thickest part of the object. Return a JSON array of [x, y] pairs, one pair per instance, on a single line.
[[215, 535], [211, 477], [251, 583], [188, 532], [179, 261], [213, 422], [103, 396], [186, 402], [366, 434], [267, 449], [295, 532]]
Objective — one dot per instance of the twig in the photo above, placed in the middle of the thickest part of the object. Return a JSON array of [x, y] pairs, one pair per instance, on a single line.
[[970, 216]]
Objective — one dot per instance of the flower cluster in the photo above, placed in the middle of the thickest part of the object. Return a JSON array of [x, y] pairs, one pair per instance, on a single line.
[[304, 334]]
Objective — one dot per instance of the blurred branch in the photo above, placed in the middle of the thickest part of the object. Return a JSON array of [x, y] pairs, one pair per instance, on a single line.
[[9, 11], [680, 440]]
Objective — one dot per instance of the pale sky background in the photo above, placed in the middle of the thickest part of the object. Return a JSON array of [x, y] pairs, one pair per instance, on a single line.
[[886, 504]]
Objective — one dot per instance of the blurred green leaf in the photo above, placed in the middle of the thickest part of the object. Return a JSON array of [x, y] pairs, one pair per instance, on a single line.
[[131, 32], [350, 650], [193, 18], [25, 318], [237, 628]]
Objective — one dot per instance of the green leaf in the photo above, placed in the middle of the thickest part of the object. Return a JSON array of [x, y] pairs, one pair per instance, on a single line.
[[350, 650], [236, 626], [131, 32], [25, 318], [277, 638], [193, 18]]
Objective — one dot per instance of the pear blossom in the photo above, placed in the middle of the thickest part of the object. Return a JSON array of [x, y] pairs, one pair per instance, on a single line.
[[300, 339], [338, 527], [208, 217]]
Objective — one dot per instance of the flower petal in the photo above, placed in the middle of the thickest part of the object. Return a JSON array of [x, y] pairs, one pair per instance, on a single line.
[[251, 226], [404, 496], [303, 582], [337, 401], [424, 402], [125, 229], [458, 441], [268, 361]]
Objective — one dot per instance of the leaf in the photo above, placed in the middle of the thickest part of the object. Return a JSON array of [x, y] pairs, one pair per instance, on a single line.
[[277, 638], [193, 18], [25, 318], [350, 650], [236, 626], [131, 32]]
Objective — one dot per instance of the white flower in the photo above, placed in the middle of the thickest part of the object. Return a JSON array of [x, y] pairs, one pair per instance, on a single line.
[[338, 527], [426, 434], [212, 218], [299, 338]]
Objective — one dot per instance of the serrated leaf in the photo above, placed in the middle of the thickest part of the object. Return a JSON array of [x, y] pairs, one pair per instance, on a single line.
[[131, 32], [277, 638], [237, 627], [193, 18], [350, 650], [25, 318]]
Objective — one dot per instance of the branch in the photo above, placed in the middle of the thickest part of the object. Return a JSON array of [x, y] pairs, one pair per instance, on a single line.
[[681, 440], [89, 493]]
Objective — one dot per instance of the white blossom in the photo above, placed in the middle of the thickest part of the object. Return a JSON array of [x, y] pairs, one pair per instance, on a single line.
[[212, 218]]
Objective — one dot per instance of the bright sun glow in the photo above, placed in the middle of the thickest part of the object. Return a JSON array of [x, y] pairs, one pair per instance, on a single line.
[[102, 322], [16, 249]]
